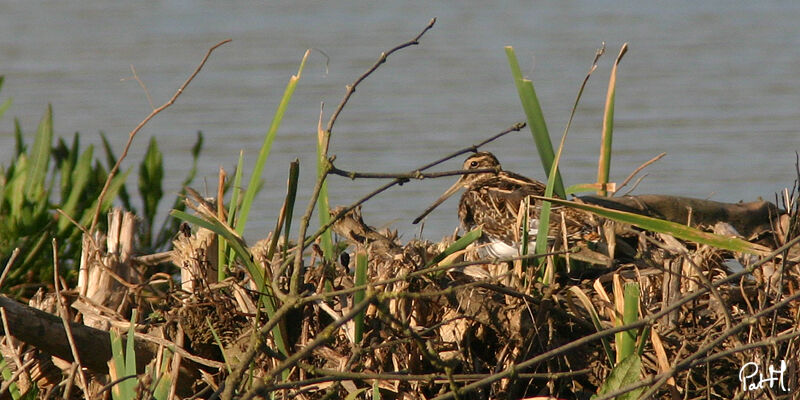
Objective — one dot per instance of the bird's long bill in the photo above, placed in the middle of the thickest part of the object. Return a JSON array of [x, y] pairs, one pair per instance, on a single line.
[[449, 192]]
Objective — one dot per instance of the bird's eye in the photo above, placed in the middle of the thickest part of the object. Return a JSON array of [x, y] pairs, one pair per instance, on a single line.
[[473, 164]]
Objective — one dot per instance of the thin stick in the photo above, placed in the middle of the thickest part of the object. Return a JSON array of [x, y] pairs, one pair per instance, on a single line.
[[382, 59], [470, 149], [176, 363], [326, 137], [4, 387], [637, 170], [407, 176], [140, 126], [143, 86], [63, 311], [14, 349], [10, 262]]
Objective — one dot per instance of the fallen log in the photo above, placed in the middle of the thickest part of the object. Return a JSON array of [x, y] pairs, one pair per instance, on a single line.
[[750, 219], [46, 332]]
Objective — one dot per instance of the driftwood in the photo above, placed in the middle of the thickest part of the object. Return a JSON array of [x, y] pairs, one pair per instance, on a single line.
[[750, 219], [46, 332]]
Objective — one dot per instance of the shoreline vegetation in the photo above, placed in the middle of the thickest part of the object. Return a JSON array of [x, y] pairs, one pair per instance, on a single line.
[[679, 298]]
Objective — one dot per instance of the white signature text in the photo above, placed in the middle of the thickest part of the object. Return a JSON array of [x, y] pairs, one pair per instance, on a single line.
[[752, 379]]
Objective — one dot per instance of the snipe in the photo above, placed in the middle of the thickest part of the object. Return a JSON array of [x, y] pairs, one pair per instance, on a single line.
[[492, 200]]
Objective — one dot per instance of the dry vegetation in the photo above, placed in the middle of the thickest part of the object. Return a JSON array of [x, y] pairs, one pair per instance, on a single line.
[[430, 320]]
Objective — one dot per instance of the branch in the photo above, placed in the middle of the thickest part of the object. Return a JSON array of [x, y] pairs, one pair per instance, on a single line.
[[382, 59], [405, 177], [140, 126], [470, 149]]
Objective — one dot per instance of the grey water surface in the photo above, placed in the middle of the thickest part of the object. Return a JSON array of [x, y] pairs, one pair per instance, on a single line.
[[715, 85]]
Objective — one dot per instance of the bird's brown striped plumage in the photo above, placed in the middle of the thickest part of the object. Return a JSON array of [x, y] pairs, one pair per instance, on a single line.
[[492, 201]]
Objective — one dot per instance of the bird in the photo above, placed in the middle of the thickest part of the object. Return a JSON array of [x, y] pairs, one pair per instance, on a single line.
[[492, 201]]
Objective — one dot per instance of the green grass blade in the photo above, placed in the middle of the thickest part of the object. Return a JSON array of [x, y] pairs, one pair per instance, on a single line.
[[535, 117], [323, 208], [40, 157], [287, 211], [130, 351], [658, 225], [233, 208], [125, 390], [81, 174], [358, 297], [627, 339], [582, 188], [459, 245], [6, 104], [151, 177], [266, 147], [116, 185], [604, 163], [233, 213]]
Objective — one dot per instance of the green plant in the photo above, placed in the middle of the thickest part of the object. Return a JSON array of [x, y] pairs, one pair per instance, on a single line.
[[51, 191], [42, 192], [122, 369]]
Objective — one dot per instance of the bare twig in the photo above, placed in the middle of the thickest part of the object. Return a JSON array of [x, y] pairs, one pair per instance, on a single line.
[[407, 176], [7, 268], [398, 181], [64, 318], [135, 130], [382, 59], [142, 85], [322, 337], [639, 169]]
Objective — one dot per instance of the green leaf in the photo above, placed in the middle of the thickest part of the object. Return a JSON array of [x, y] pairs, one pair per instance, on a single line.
[[266, 147], [459, 245], [626, 340], [113, 188], [595, 317], [170, 225], [218, 341], [19, 144], [40, 157], [326, 240], [6, 104], [536, 122], [354, 394], [604, 163], [658, 225], [80, 178], [625, 373], [6, 374], [130, 351], [151, 176]]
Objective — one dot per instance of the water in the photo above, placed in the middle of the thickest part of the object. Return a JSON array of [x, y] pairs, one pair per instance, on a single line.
[[712, 84]]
